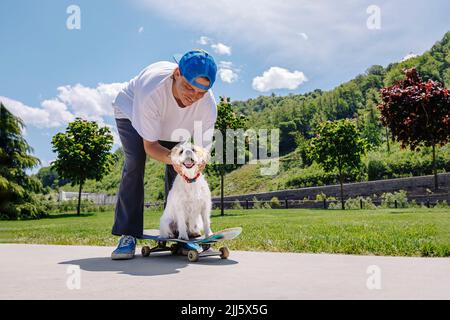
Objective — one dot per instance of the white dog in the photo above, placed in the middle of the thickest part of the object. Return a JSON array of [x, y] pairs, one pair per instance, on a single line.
[[188, 207]]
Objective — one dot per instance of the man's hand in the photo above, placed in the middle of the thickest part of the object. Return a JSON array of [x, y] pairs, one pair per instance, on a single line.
[[178, 169], [201, 167]]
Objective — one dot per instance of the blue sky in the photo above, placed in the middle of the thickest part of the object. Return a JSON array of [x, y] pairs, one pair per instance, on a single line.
[[50, 74]]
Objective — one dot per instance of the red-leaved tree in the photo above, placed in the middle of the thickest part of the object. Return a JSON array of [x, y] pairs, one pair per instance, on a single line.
[[417, 113]]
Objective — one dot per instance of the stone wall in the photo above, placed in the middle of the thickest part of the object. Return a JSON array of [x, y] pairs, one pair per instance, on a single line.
[[415, 187]]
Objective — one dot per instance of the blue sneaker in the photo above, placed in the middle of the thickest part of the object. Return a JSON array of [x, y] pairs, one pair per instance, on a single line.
[[125, 249]]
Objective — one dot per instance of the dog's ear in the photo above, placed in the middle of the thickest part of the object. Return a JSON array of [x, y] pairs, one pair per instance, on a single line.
[[176, 150], [203, 154]]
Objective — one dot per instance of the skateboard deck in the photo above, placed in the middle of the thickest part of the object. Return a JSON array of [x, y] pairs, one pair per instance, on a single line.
[[194, 248], [226, 234]]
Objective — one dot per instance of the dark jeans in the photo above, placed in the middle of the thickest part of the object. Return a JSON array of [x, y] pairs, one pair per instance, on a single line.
[[129, 212]]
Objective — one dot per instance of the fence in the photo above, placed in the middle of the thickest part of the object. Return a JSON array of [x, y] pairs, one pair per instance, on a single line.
[[316, 204], [427, 200], [96, 198]]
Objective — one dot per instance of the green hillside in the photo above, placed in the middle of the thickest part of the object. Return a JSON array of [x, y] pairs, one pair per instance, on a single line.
[[379, 165], [297, 117]]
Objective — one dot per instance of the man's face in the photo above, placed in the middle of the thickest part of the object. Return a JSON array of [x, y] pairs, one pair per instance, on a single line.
[[187, 93]]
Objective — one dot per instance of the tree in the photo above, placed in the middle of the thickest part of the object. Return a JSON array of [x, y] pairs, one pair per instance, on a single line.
[[417, 113], [226, 119], [50, 178], [376, 70], [338, 145], [17, 189], [369, 124], [83, 153], [287, 136]]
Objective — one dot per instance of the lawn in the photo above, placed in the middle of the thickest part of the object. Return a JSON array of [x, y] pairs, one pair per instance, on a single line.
[[394, 232]]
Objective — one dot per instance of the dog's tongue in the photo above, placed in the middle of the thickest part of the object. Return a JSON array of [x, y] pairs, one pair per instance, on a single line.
[[189, 163]]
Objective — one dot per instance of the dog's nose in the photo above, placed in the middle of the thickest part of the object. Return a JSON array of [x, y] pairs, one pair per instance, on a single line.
[[189, 153]]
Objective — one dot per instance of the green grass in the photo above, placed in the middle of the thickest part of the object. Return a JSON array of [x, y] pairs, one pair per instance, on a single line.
[[394, 232]]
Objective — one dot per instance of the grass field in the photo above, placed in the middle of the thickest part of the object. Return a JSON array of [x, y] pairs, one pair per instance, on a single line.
[[394, 232]]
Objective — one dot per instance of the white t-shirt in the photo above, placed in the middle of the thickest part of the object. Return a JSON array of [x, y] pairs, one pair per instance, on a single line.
[[148, 101]]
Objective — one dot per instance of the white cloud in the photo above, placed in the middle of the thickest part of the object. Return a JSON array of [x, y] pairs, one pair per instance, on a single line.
[[273, 28], [72, 101], [141, 29], [278, 78], [227, 75], [225, 64], [409, 56], [338, 37], [115, 135], [59, 115], [218, 47], [303, 35], [204, 41], [46, 163], [48, 116], [221, 49], [227, 72], [90, 103]]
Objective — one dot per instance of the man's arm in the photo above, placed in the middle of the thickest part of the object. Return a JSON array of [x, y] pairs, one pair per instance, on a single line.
[[160, 153], [157, 151]]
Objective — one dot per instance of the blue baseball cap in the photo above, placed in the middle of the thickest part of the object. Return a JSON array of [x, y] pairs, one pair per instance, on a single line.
[[198, 63]]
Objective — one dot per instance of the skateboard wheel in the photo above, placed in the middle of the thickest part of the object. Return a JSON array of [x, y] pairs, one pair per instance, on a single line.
[[224, 253], [193, 255], [145, 251]]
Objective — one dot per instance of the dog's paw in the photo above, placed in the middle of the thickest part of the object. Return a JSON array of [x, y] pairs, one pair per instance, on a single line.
[[183, 236], [165, 233], [194, 234], [208, 233]]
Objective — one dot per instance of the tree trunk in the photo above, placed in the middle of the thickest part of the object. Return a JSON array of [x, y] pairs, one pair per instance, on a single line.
[[79, 199], [436, 185], [342, 191], [387, 140], [221, 193]]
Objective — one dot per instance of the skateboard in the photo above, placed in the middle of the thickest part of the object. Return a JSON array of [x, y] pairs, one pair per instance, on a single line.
[[194, 248]]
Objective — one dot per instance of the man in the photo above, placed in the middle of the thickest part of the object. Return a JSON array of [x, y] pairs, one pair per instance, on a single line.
[[150, 111]]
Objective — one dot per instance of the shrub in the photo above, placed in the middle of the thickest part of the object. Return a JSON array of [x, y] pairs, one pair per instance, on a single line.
[[236, 205], [335, 205], [376, 170], [321, 196], [442, 204], [355, 203], [266, 205], [34, 209], [256, 203], [413, 204], [275, 202], [404, 163], [388, 199], [71, 206]]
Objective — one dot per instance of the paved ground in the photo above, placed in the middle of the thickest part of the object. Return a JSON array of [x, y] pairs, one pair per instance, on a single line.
[[47, 272]]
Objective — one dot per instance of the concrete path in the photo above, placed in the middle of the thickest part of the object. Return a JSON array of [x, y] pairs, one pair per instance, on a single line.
[[51, 272]]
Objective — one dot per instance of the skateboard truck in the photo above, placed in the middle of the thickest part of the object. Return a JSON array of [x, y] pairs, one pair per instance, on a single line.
[[195, 248]]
